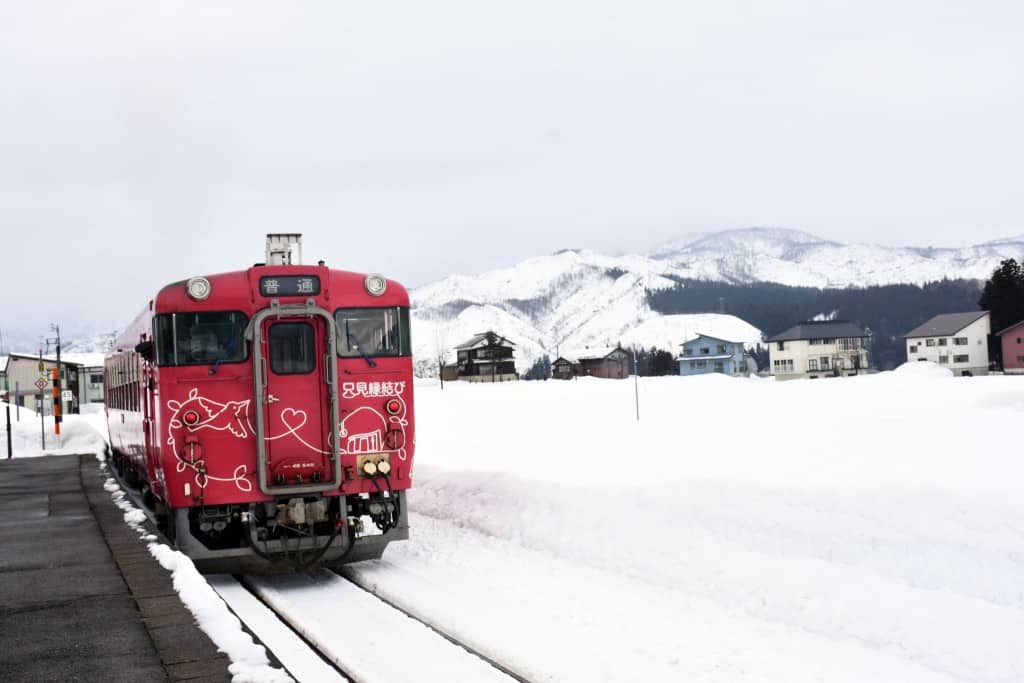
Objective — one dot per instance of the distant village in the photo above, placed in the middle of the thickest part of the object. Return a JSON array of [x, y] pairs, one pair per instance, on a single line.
[[815, 349], [964, 342]]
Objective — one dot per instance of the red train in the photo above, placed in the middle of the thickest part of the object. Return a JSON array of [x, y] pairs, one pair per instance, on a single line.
[[264, 417]]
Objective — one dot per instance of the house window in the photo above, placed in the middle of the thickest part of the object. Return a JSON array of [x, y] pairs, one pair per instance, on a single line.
[[840, 365], [913, 349], [1020, 359], [944, 360], [782, 346], [960, 341], [96, 379], [961, 359], [824, 362], [687, 350], [942, 342], [812, 365], [721, 348], [929, 342], [705, 349], [719, 367], [782, 366]]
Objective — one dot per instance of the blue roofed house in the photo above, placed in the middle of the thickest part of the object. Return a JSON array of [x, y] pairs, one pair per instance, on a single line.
[[704, 354]]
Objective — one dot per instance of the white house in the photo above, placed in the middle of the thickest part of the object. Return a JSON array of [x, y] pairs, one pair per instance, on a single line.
[[813, 349], [958, 341]]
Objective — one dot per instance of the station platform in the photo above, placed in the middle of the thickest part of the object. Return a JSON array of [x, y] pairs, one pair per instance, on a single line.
[[81, 598]]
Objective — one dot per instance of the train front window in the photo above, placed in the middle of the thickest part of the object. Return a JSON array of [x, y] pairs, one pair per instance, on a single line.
[[372, 332], [200, 338]]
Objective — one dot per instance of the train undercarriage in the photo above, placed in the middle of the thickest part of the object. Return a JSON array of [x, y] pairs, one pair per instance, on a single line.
[[286, 534]]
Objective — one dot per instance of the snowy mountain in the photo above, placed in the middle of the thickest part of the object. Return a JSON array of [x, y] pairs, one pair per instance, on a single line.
[[573, 298], [578, 298], [80, 339], [797, 258]]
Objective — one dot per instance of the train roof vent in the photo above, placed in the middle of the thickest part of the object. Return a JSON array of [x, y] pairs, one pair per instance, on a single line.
[[284, 249]]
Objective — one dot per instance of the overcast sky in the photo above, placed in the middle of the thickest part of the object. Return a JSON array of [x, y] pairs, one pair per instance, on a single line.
[[143, 142]]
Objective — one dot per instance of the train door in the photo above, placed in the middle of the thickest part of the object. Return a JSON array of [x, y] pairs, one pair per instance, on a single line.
[[152, 446], [296, 402]]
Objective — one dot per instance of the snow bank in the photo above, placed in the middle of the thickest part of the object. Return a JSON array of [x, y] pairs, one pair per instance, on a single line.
[[923, 370], [79, 434]]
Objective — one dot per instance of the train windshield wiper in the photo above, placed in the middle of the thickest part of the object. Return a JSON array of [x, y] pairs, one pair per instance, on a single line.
[[348, 336]]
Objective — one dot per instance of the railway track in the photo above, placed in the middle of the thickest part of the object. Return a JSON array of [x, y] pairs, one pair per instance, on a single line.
[[322, 626]]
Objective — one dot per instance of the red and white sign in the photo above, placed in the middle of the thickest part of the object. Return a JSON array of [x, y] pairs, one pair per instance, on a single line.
[[41, 383]]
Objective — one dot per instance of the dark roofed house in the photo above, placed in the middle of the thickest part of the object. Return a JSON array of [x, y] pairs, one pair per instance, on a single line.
[[958, 341], [486, 357], [819, 348], [610, 362]]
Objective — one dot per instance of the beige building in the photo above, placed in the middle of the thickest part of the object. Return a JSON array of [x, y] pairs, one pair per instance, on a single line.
[[80, 375], [814, 349]]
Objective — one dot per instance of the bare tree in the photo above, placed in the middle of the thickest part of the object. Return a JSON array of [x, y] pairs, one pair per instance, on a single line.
[[440, 351]]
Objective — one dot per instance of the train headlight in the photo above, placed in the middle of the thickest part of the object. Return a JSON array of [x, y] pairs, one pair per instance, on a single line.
[[375, 284], [198, 288], [369, 468], [384, 467]]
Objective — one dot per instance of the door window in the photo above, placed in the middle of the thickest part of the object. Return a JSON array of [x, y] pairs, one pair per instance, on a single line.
[[292, 348]]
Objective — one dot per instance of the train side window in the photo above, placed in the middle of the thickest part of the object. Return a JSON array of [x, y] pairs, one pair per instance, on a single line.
[[292, 348], [200, 338], [373, 332]]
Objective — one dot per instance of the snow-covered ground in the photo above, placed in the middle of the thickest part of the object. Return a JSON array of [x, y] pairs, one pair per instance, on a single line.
[[858, 529], [866, 528]]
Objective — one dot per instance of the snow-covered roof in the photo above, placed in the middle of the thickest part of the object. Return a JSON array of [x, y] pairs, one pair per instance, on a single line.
[[83, 359]]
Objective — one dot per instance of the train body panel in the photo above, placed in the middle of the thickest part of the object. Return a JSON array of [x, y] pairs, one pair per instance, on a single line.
[[268, 406]]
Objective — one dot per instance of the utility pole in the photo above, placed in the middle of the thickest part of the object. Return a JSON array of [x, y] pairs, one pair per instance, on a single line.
[[39, 403], [636, 384], [58, 403]]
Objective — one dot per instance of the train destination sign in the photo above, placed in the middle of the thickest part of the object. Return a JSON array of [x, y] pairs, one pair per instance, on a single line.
[[289, 285]]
